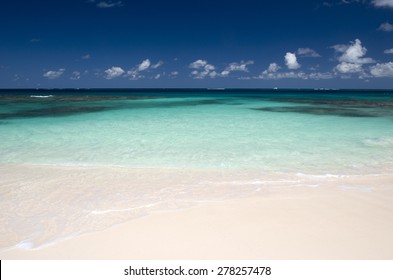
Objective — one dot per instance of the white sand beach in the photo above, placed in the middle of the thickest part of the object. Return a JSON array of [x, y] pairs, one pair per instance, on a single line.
[[341, 218]]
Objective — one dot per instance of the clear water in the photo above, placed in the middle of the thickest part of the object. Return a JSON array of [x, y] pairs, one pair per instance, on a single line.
[[295, 131], [80, 161]]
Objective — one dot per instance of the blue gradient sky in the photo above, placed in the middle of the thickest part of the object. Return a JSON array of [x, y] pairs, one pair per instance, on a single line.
[[152, 43]]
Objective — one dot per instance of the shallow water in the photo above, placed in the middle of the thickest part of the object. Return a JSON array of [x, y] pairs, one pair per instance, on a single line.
[[297, 131], [73, 162]]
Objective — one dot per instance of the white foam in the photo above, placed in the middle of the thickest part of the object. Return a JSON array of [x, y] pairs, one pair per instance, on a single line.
[[100, 212], [25, 245], [41, 96], [334, 176]]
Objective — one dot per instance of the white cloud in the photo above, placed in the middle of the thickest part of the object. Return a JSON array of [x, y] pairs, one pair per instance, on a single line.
[[388, 51], [109, 4], [54, 74], [86, 56], [376, 3], [273, 67], [235, 66], [307, 52], [225, 73], [198, 64], [156, 77], [387, 27], [382, 70], [271, 73], [291, 61], [144, 65], [320, 76], [265, 75], [340, 47], [113, 72], [347, 67], [383, 3], [76, 75], [135, 73], [158, 64], [202, 69], [352, 58], [354, 53], [241, 66], [209, 67], [174, 73]]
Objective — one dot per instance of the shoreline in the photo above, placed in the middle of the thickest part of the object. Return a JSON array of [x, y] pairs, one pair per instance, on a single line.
[[343, 218]]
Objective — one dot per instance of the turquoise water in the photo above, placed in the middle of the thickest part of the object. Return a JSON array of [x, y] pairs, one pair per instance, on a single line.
[[294, 131], [73, 162]]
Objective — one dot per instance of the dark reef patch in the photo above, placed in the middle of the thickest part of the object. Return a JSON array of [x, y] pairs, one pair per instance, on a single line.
[[59, 107], [338, 102], [320, 111], [57, 111]]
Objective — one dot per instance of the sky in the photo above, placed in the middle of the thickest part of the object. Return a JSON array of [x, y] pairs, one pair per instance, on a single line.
[[196, 43]]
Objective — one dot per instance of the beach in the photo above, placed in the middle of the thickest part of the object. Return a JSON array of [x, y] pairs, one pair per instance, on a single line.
[[195, 174], [341, 218]]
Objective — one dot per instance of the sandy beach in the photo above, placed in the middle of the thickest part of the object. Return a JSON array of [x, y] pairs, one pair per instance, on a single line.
[[339, 219]]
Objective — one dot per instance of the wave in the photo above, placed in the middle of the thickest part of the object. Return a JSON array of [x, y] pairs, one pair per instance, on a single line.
[[41, 96]]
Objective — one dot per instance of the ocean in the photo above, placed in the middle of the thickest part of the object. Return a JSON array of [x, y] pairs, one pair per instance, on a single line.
[[181, 145]]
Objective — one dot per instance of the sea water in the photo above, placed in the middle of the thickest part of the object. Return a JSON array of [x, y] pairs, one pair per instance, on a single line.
[[296, 131], [77, 161]]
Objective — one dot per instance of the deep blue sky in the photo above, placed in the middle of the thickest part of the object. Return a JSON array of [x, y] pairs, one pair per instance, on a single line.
[[196, 43]]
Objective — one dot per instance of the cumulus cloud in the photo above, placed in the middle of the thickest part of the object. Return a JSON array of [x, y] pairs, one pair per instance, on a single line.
[[86, 56], [354, 53], [54, 74], [76, 75], [198, 64], [307, 52], [383, 3], [388, 51], [144, 65], [387, 27], [382, 70], [291, 61], [225, 73], [346, 67], [202, 69], [273, 67], [352, 58], [269, 72], [113, 72], [109, 4]]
